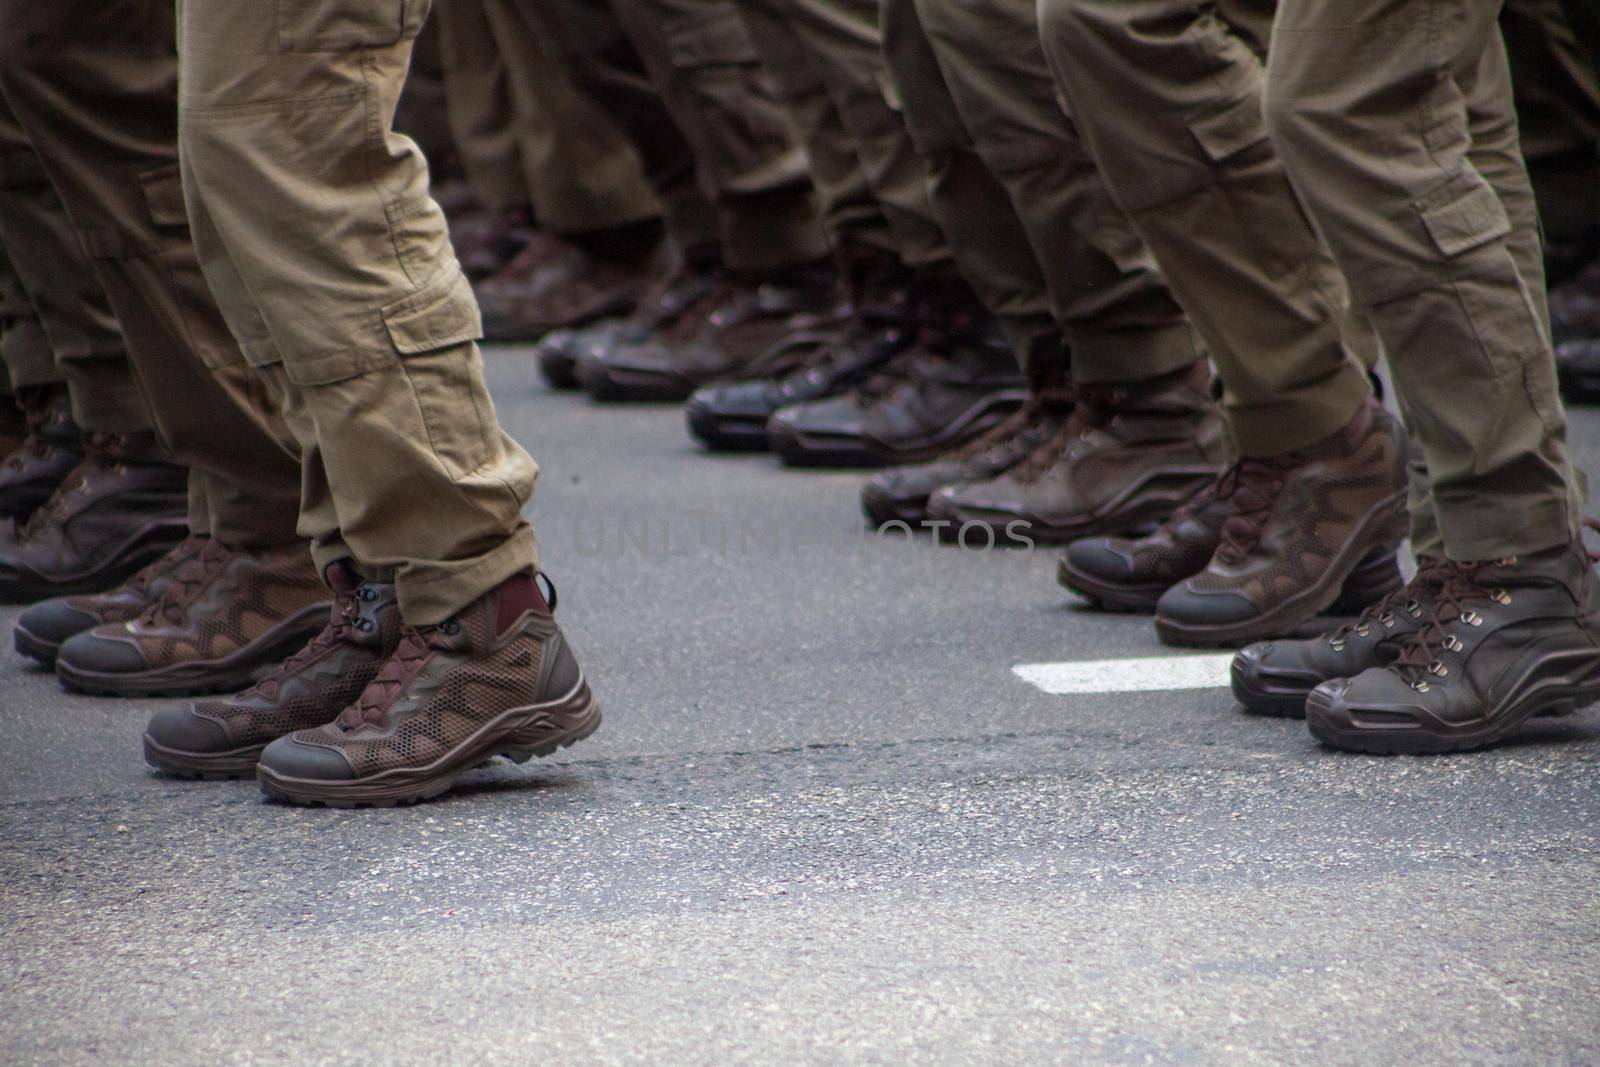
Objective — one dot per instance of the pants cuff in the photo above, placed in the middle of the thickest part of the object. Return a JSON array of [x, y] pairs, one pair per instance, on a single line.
[[1108, 357], [1295, 421], [1479, 526], [430, 592]]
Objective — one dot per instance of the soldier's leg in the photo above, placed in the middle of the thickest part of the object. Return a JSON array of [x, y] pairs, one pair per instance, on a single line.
[[1167, 95], [96, 92], [367, 307], [477, 85], [1395, 122]]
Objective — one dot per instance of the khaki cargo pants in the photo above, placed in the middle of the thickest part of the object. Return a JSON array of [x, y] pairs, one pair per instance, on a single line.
[[58, 327], [1395, 123], [93, 84], [334, 269]]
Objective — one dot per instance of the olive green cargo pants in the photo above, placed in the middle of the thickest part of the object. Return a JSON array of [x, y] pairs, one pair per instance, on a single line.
[[1395, 123], [686, 84], [60, 329], [93, 85], [334, 269], [1167, 97], [1028, 219], [525, 134]]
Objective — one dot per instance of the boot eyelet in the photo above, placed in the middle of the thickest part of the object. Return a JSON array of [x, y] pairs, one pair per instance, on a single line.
[[364, 625], [1453, 643], [1472, 618], [1420, 685], [450, 628], [1365, 629], [1414, 609], [1336, 643], [1438, 669], [1387, 619], [1500, 596], [366, 593]]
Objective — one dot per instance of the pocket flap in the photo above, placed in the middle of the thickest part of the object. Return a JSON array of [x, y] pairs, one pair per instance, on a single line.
[[1224, 134], [442, 314], [1463, 214]]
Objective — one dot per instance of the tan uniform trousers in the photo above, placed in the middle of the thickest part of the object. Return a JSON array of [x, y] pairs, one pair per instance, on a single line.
[[92, 83], [524, 133], [334, 268], [686, 84], [1395, 122], [1120, 321], [60, 328], [827, 56], [1167, 95]]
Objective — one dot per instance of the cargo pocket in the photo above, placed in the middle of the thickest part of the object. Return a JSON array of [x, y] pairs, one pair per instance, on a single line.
[[1232, 131], [1462, 214], [343, 25], [431, 330]]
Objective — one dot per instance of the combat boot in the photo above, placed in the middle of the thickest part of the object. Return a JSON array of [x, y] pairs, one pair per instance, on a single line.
[[225, 617], [223, 738], [42, 628], [1132, 573], [121, 508], [755, 328], [733, 415], [1299, 525], [680, 288], [13, 426], [497, 679], [901, 494], [1506, 640], [1128, 456], [956, 383], [591, 278], [489, 240], [51, 448], [1275, 677]]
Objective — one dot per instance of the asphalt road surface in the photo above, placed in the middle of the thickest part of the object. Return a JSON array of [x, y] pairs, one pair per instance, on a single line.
[[825, 821]]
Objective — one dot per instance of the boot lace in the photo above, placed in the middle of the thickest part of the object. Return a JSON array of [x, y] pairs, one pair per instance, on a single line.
[[100, 455], [191, 578], [1431, 573], [1251, 488], [1463, 587], [417, 645], [336, 633], [1086, 417]]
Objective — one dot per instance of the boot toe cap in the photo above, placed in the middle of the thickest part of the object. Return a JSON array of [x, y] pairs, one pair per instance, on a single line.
[[93, 652], [181, 728], [1099, 557], [291, 757], [1185, 604], [55, 620]]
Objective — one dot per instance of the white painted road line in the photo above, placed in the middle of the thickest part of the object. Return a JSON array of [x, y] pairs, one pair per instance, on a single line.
[[1148, 674]]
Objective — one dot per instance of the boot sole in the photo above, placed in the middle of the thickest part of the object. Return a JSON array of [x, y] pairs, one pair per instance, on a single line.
[[35, 648], [519, 734], [1562, 697], [130, 559], [215, 766], [973, 422], [559, 372], [1381, 530], [881, 508], [1042, 533], [797, 449], [229, 675], [613, 386], [726, 433]]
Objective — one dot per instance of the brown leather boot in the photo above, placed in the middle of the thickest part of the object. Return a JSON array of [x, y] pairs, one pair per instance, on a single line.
[[226, 616], [748, 328], [42, 628], [51, 447], [1298, 526], [1128, 456], [124, 506], [496, 679], [13, 425], [224, 738], [488, 240], [591, 277], [1506, 640]]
